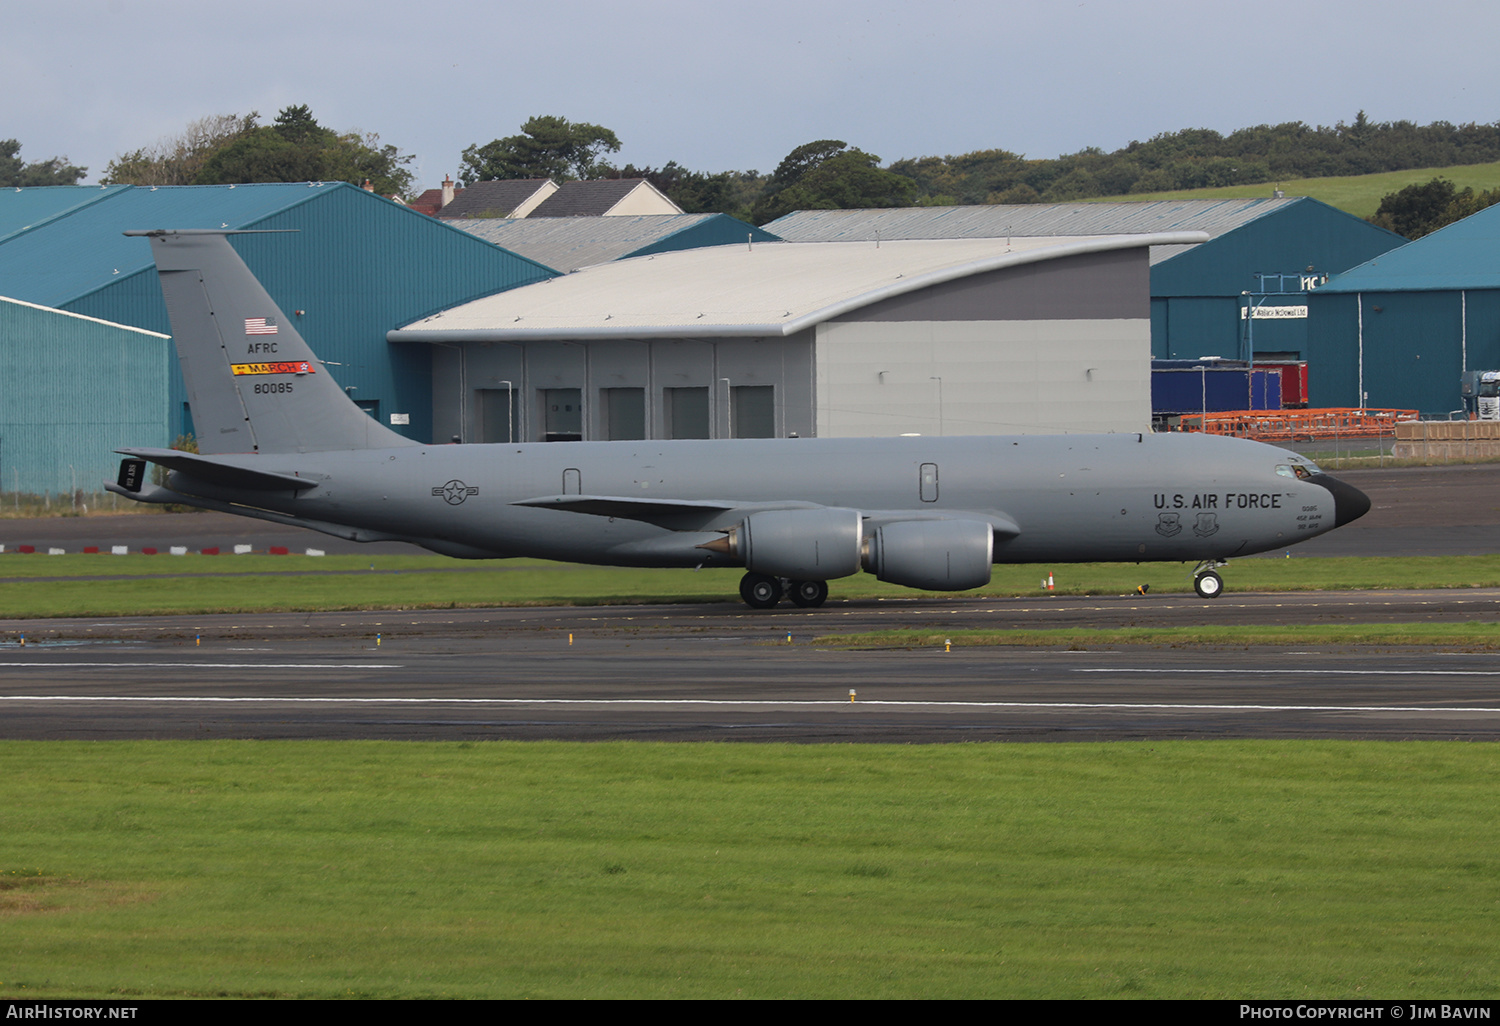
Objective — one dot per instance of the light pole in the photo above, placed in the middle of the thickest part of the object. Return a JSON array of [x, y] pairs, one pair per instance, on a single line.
[[510, 410]]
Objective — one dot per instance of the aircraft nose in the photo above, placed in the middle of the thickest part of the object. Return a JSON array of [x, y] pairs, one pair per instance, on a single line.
[[1349, 503]]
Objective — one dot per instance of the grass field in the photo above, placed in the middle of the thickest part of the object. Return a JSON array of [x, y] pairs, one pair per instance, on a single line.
[[303, 869], [1224, 869], [1359, 195], [92, 585]]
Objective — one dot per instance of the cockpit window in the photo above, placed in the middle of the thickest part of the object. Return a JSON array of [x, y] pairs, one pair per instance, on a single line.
[[1301, 471]]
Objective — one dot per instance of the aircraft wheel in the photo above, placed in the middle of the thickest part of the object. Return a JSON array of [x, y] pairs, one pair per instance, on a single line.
[[809, 594], [1208, 585], [760, 591]]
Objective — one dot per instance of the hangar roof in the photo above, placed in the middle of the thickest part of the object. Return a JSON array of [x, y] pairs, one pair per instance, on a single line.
[[773, 288], [1216, 217], [24, 209], [568, 243], [1463, 255], [78, 247], [80, 317], [59, 243]]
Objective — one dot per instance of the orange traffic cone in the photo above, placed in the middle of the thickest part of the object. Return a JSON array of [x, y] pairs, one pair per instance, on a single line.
[[1049, 580]]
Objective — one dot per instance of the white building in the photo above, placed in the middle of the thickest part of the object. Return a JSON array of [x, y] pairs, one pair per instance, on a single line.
[[932, 337]]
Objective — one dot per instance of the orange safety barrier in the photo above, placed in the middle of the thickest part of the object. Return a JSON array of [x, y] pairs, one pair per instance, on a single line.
[[1337, 422]]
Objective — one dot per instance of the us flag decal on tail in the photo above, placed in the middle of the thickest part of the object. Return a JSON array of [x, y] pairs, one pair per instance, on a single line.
[[259, 326]]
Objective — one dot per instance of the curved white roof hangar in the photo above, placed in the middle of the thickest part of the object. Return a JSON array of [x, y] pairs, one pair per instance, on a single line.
[[759, 290]]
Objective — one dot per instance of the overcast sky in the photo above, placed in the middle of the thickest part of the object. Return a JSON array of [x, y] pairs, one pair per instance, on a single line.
[[736, 86]]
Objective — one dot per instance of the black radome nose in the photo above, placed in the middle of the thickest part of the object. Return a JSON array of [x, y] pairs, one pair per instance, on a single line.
[[1349, 503]]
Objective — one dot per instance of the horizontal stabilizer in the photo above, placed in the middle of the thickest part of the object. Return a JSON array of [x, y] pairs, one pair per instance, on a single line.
[[211, 471]]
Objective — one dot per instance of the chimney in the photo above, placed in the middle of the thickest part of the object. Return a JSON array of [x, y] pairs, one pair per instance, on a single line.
[[447, 191], [367, 186]]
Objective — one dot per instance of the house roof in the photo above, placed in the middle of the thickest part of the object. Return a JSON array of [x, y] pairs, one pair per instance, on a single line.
[[770, 289], [568, 243], [430, 201], [1025, 220], [1463, 255], [493, 199], [596, 198]]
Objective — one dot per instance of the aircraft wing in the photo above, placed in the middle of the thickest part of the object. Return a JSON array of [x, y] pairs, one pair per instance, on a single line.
[[210, 470], [1003, 526], [672, 514], [715, 514]]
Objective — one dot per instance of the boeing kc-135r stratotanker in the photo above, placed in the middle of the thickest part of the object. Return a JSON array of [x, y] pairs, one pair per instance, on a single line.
[[279, 440]]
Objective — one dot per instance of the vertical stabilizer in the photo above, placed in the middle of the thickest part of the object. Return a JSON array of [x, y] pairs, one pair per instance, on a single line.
[[252, 382]]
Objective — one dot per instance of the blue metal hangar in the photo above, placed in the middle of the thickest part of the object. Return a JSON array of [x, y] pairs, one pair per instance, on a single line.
[[1262, 256], [837, 339], [1399, 331], [357, 266], [71, 389]]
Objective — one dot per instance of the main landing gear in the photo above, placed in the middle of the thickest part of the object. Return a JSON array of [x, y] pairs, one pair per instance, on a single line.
[[761, 591], [1207, 583]]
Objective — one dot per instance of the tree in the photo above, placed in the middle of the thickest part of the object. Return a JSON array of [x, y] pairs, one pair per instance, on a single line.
[[298, 149], [697, 192], [549, 147], [827, 175], [177, 160], [795, 165], [53, 171], [1417, 209]]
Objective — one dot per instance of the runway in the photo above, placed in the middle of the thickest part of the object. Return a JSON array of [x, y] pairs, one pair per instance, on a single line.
[[716, 672], [722, 672]]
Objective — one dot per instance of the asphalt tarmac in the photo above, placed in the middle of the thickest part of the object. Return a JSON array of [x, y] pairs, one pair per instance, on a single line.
[[725, 673], [720, 672]]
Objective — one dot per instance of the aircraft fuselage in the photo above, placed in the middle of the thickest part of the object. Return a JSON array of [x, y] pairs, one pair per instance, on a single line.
[[1117, 497]]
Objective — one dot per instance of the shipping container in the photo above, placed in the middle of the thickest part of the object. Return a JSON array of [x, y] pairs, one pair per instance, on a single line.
[[1211, 386]]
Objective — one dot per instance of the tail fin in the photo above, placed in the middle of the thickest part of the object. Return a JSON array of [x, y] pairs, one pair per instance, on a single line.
[[253, 383]]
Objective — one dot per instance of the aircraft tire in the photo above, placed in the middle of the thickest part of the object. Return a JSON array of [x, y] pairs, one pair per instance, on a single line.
[[808, 594], [1208, 585], [760, 591]]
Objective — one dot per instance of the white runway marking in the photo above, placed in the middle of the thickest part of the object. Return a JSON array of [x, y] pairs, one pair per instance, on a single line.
[[1292, 670], [751, 703], [48, 665]]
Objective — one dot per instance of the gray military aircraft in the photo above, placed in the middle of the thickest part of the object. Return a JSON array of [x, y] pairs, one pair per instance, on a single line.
[[279, 440]]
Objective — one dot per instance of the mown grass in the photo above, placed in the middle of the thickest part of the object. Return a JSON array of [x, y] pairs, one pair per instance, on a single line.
[[367, 869], [1473, 636], [79, 585], [1359, 195]]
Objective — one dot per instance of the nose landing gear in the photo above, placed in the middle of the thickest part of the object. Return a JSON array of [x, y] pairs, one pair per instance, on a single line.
[[1207, 583]]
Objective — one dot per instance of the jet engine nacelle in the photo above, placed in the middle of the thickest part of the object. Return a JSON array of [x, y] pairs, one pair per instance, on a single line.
[[939, 555], [802, 544]]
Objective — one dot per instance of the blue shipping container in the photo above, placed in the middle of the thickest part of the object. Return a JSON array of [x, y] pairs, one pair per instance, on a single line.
[[1209, 389]]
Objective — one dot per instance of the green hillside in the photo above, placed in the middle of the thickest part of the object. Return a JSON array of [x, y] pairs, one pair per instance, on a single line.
[[1359, 195]]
